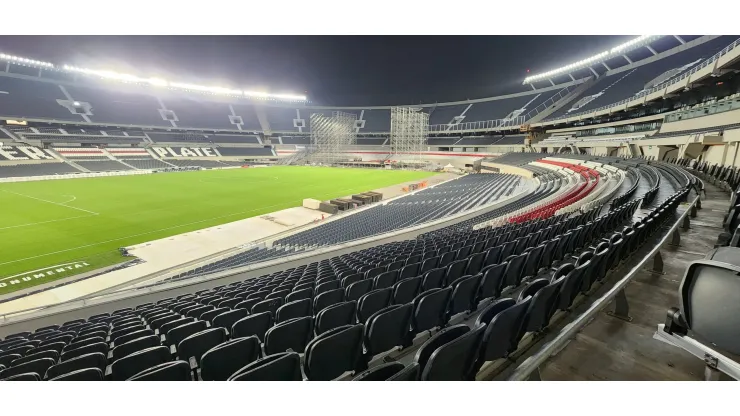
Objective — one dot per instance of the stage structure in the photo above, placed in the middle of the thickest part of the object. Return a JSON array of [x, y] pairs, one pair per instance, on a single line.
[[409, 130], [331, 136]]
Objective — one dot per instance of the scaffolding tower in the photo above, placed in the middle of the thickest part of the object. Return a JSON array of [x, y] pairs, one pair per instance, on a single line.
[[331, 135], [409, 130]]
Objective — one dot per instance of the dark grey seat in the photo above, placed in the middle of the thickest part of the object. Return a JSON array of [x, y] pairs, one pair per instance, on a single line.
[[394, 371], [84, 374], [223, 360], [38, 366], [293, 335], [504, 319], [256, 324], [464, 293], [430, 310], [328, 298], [192, 348], [333, 353], [358, 289], [134, 345], [177, 334], [100, 347], [295, 309], [171, 371], [404, 291], [284, 366], [335, 316], [92, 360], [387, 328], [372, 302], [450, 355], [139, 361], [229, 318]]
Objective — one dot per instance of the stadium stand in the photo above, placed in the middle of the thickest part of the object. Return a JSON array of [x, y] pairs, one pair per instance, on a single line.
[[200, 114], [376, 121], [102, 165], [224, 138], [179, 137], [623, 85], [27, 98], [36, 169], [208, 164], [120, 107], [246, 151], [352, 308], [146, 163], [301, 140]]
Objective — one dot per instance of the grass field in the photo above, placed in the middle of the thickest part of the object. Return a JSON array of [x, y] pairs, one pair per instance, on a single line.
[[50, 223]]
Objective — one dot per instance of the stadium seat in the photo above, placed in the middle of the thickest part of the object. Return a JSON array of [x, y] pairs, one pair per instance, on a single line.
[[132, 364], [38, 366], [229, 318], [404, 291], [372, 302], [100, 347], [334, 352], [336, 315], [284, 366], [177, 334], [393, 371], [433, 279], [134, 345], [170, 371], [295, 309], [292, 335], [328, 298], [223, 360], [22, 377], [92, 360], [504, 319], [386, 329], [430, 309], [84, 374], [192, 348], [450, 354], [256, 324]]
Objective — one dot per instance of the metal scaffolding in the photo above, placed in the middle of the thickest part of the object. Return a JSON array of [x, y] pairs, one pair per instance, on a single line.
[[409, 130], [331, 135]]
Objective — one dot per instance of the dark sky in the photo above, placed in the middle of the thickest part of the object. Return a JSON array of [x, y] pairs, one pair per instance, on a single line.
[[333, 70]]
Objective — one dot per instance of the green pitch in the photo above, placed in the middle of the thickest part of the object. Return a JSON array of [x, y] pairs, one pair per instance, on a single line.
[[65, 222]]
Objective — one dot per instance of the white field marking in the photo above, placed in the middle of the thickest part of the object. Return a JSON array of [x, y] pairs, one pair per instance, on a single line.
[[52, 202], [45, 222], [67, 202], [156, 231]]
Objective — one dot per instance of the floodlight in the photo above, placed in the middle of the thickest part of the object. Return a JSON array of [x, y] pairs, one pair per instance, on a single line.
[[584, 63], [76, 103]]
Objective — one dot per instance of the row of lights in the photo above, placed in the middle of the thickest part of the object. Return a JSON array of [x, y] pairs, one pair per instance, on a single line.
[[18, 59], [638, 41], [157, 82]]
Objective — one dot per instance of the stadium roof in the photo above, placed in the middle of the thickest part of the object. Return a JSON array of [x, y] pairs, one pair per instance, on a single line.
[[153, 81], [619, 50]]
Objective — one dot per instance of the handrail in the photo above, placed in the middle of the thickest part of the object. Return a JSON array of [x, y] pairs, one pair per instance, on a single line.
[[531, 364]]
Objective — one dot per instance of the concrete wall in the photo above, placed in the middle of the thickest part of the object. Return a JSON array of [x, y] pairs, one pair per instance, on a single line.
[[720, 119]]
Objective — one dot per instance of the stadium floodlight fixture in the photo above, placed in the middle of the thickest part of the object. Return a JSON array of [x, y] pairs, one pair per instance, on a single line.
[[76, 103], [25, 61], [584, 63], [159, 82]]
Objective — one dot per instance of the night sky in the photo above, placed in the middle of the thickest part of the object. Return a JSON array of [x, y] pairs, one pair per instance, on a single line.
[[331, 70]]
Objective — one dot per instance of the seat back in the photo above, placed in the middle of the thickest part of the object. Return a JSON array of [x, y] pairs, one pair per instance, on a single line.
[[454, 271], [175, 335], [83, 374], [356, 290], [284, 366], [256, 324], [385, 279], [544, 295], [709, 301], [293, 335], [428, 264], [503, 331], [38, 366], [132, 364], [295, 309], [223, 360], [433, 279], [373, 302], [334, 352], [455, 360], [228, 319], [464, 294], [409, 270], [406, 290], [192, 348], [532, 266], [92, 360], [387, 328], [515, 270], [424, 353], [172, 371], [430, 309], [334, 316], [446, 259], [475, 263]]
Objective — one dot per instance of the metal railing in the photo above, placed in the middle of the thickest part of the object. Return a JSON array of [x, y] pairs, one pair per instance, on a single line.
[[477, 125], [549, 102], [663, 85], [529, 369]]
